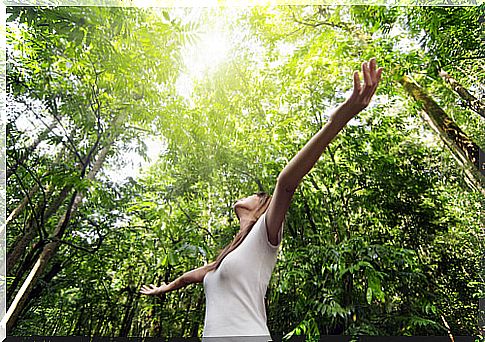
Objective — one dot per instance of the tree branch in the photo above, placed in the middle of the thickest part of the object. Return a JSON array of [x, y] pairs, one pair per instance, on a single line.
[[472, 102], [39, 225], [84, 249], [193, 221]]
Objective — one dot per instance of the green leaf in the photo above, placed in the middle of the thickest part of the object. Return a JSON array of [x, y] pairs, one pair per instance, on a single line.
[[369, 295]]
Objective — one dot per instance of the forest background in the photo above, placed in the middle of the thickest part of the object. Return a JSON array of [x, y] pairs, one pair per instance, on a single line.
[[131, 132]]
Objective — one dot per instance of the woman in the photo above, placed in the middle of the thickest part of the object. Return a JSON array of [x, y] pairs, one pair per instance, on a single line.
[[235, 283]]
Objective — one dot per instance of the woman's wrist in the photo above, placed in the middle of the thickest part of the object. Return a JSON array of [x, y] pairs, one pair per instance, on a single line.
[[343, 114], [347, 110], [165, 288]]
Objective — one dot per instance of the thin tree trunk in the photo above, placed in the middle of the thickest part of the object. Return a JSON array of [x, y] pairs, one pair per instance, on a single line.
[[18, 248], [126, 322], [471, 101], [49, 250], [77, 328], [15, 213], [57, 321], [102, 329], [167, 275], [22, 242], [26, 153], [37, 291], [195, 326], [99, 326], [185, 324], [28, 263], [90, 322], [309, 215], [466, 152]]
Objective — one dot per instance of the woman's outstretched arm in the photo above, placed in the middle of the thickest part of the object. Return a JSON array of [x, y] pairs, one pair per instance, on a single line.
[[190, 277], [304, 161]]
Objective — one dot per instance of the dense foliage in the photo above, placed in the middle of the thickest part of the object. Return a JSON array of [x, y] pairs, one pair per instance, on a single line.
[[384, 236]]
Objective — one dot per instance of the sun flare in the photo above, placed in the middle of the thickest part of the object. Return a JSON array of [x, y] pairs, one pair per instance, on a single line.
[[207, 54], [202, 58]]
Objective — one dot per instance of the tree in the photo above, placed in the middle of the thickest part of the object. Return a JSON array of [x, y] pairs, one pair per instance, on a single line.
[[469, 154], [382, 237], [77, 87]]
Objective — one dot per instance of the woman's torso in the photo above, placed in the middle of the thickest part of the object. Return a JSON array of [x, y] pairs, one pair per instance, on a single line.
[[235, 291]]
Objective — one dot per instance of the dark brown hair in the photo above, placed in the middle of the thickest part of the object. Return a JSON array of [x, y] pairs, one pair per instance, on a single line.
[[264, 200]]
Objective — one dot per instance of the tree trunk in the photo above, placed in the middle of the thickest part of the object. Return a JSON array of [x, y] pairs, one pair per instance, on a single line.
[[18, 248], [22, 242], [49, 250], [26, 153], [163, 298], [15, 213], [185, 323], [37, 290], [466, 152], [27, 263], [195, 327], [127, 317], [77, 330], [471, 101]]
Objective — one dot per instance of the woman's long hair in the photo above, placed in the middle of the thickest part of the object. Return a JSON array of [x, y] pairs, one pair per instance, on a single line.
[[264, 200]]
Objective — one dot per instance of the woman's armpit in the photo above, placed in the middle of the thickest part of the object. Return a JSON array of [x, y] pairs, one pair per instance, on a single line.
[[280, 235]]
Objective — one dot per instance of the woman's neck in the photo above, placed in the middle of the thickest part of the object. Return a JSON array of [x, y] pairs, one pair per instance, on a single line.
[[245, 222]]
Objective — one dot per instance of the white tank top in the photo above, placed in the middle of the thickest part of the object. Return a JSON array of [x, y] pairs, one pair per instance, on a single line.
[[235, 291]]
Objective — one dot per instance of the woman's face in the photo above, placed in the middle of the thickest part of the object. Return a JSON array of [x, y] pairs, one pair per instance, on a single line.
[[246, 205]]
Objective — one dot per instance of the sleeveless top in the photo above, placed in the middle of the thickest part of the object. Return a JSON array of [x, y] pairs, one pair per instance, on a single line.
[[235, 290]]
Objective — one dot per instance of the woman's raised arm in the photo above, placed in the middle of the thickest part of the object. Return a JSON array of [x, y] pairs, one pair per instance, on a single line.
[[304, 161]]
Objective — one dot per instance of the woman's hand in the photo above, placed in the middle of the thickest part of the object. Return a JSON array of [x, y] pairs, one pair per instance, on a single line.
[[152, 290], [362, 94]]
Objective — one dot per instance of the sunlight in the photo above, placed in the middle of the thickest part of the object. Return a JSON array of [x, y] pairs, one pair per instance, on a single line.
[[207, 54], [203, 57]]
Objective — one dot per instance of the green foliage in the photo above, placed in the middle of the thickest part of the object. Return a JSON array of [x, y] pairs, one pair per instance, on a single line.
[[382, 237]]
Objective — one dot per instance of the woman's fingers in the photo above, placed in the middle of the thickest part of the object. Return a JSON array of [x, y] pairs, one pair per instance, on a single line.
[[374, 75], [372, 70], [376, 79], [148, 290], [357, 86], [371, 75], [366, 75], [379, 74]]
